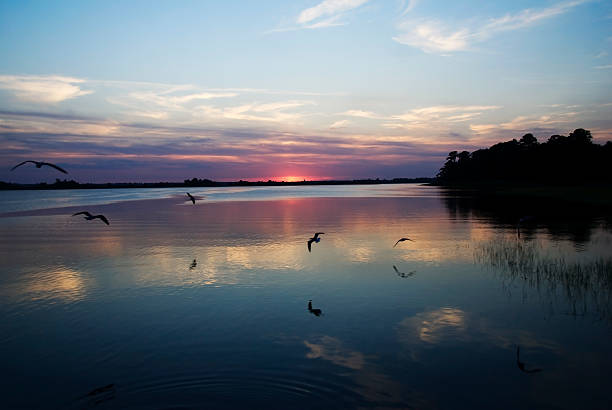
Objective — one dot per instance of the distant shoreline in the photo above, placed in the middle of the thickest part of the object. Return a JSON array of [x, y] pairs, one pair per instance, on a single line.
[[196, 183]]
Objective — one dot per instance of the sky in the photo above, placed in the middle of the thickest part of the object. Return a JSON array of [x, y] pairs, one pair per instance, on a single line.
[[118, 91]]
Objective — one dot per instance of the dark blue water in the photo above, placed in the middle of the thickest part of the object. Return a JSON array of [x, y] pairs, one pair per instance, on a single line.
[[181, 306]]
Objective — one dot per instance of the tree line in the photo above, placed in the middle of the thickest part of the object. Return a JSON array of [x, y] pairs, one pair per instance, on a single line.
[[561, 159]]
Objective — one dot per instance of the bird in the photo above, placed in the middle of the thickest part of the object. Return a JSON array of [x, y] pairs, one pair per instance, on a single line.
[[193, 264], [402, 240], [521, 365], [315, 239], [191, 197], [316, 312], [402, 274], [89, 216], [39, 164]]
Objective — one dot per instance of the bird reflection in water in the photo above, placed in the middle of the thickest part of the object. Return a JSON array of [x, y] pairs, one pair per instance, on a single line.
[[403, 274], [316, 312], [521, 365], [193, 265]]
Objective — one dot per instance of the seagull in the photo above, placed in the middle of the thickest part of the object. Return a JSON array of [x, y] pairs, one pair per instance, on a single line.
[[193, 264], [39, 164], [89, 216], [191, 197], [402, 240], [402, 274], [521, 365], [316, 312], [315, 239]]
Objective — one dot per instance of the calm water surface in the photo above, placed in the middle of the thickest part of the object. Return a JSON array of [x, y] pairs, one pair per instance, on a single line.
[[182, 306]]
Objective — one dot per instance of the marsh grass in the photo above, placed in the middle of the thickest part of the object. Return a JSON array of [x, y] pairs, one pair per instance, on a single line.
[[575, 285]]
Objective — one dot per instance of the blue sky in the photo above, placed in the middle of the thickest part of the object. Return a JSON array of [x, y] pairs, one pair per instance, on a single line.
[[151, 91]]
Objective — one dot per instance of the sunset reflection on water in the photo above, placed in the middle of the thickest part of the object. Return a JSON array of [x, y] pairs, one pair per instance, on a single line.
[[214, 296]]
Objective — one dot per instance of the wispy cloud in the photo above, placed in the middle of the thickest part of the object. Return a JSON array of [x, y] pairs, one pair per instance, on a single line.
[[271, 112], [325, 14], [426, 116], [328, 8], [339, 124], [528, 123], [43, 89], [407, 6], [363, 114], [433, 36], [603, 67], [601, 54]]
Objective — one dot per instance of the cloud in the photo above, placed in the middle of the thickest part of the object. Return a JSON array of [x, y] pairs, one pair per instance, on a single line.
[[274, 112], [429, 116], [527, 123], [328, 8], [406, 8], [325, 14], [601, 54], [603, 67], [43, 89], [363, 114], [433, 36], [177, 101], [339, 124]]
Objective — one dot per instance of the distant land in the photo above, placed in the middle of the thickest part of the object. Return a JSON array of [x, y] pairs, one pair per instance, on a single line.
[[195, 182]]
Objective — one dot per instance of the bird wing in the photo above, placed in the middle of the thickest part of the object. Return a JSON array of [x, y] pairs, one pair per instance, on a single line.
[[20, 164], [103, 219], [398, 241], [316, 235], [394, 268], [82, 213], [56, 167], [310, 244]]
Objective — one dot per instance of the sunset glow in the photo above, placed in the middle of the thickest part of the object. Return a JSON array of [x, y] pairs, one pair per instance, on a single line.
[[302, 90]]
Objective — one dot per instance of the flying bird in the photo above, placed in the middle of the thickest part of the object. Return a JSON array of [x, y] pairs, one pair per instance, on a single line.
[[191, 197], [402, 240], [315, 239], [193, 264], [89, 216], [39, 164], [521, 365], [316, 312], [403, 274]]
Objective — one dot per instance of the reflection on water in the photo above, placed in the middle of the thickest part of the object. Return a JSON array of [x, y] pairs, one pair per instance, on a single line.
[[204, 306], [332, 349]]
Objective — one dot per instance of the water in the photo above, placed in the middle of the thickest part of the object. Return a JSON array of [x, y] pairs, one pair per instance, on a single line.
[[175, 305]]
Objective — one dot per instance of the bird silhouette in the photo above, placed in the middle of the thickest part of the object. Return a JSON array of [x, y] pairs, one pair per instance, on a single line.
[[39, 164], [193, 264], [314, 239], [403, 274], [316, 312], [89, 216], [402, 240], [191, 197], [521, 365]]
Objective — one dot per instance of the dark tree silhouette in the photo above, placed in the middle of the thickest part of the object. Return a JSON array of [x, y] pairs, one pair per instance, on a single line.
[[559, 160]]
